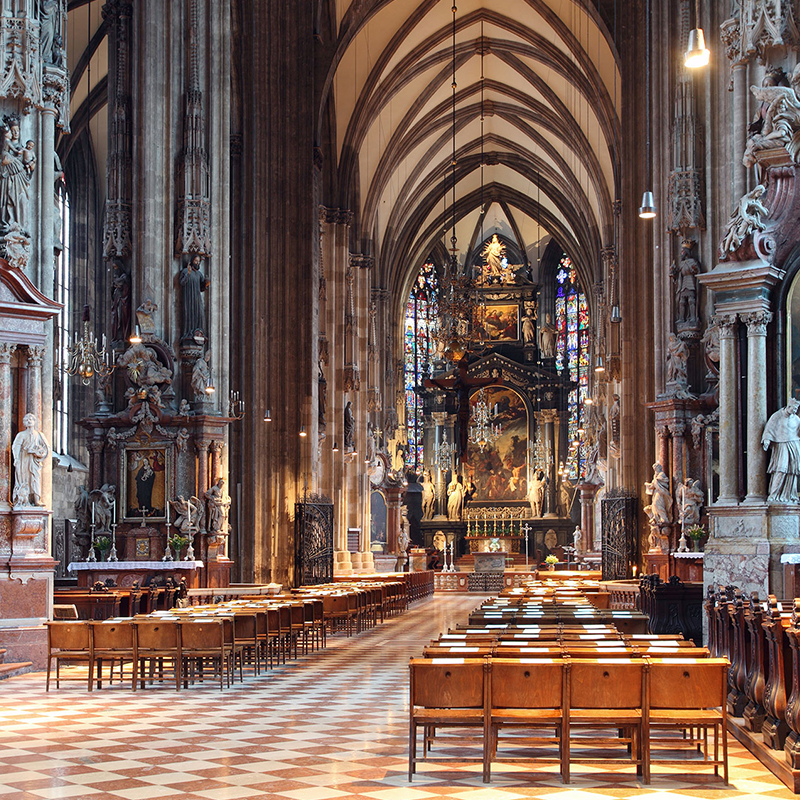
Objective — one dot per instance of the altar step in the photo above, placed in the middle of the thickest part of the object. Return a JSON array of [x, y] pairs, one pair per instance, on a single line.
[[10, 670], [466, 563]]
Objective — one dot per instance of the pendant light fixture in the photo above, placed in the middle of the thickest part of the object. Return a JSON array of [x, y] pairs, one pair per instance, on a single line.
[[648, 208], [697, 54]]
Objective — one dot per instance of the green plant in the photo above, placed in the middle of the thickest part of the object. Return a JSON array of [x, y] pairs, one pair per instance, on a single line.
[[178, 542], [102, 543], [696, 532], [551, 560]]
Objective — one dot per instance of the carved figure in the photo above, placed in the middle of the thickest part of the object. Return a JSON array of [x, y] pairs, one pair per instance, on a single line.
[[744, 221], [659, 512], [103, 501], [145, 314], [120, 303], [188, 514], [690, 502], [455, 498], [219, 505], [684, 274], [529, 327], [49, 28], [143, 366], [536, 493], [577, 536], [614, 427], [322, 399], [30, 450], [83, 511], [194, 283], [201, 375], [493, 252], [29, 157], [677, 356], [547, 337], [565, 494], [711, 342], [778, 124], [349, 428], [17, 246], [403, 539], [14, 182], [428, 496], [782, 431]]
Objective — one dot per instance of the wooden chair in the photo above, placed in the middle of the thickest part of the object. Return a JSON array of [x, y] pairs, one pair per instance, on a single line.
[[69, 641], [688, 694], [604, 693], [445, 693], [115, 640], [524, 693], [245, 626], [203, 644], [158, 640]]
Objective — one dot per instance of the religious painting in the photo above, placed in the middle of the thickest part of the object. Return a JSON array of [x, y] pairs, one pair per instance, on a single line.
[[146, 475], [377, 522], [495, 322], [499, 470]]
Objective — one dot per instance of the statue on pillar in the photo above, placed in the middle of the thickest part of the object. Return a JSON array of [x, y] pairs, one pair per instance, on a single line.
[[677, 376], [684, 273], [120, 303], [782, 431], [690, 502], [349, 428], [201, 376], [194, 283], [536, 493], [30, 450], [547, 337], [14, 178], [455, 498], [659, 512], [428, 496]]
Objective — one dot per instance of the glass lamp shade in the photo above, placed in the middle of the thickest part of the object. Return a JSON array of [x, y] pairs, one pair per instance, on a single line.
[[697, 54]]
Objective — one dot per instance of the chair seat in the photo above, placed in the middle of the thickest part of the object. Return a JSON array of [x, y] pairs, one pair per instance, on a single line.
[[532, 715], [684, 716], [611, 715], [445, 715]]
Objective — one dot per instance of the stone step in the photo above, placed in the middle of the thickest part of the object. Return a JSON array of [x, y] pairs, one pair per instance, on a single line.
[[10, 670]]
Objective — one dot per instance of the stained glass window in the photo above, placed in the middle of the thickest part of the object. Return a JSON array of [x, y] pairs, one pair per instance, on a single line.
[[572, 351], [420, 325]]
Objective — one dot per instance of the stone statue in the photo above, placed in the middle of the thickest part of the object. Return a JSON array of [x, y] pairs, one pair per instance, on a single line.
[[782, 431], [322, 399], [659, 512], [120, 303], [83, 515], [577, 536], [614, 427], [684, 273], [536, 493], [711, 342], [778, 120], [455, 498], [49, 29], [349, 428], [188, 514], [744, 221], [565, 490], [428, 496], [14, 178], [547, 337], [17, 246], [493, 252], [403, 538], [194, 283], [145, 316], [219, 505], [593, 472], [690, 502], [201, 375], [103, 500], [143, 366], [529, 327], [30, 450], [677, 378]]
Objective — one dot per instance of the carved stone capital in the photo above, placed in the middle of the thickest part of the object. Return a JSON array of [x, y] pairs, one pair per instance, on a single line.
[[201, 446], [35, 356], [757, 322], [662, 430], [6, 351], [677, 428], [217, 446], [726, 323], [335, 216], [361, 261], [96, 446]]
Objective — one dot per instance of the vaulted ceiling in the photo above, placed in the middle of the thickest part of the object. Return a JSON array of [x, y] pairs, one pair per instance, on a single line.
[[535, 121]]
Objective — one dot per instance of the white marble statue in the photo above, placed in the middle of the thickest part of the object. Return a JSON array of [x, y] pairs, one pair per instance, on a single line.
[[428, 496], [744, 221], [189, 514], [677, 356], [536, 493], [529, 327], [690, 502], [577, 536], [30, 450], [201, 375], [103, 500], [403, 538], [782, 431], [778, 121], [219, 505], [455, 498], [547, 337], [659, 512]]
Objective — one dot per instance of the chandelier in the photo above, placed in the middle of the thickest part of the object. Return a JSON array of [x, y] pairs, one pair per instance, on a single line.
[[85, 359], [483, 432], [444, 454], [540, 452]]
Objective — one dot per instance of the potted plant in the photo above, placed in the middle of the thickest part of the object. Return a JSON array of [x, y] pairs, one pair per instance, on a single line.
[[177, 543], [697, 534], [102, 544], [551, 562]]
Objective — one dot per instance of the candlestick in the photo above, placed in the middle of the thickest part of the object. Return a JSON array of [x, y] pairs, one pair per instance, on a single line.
[[92, 512], [114, 511]]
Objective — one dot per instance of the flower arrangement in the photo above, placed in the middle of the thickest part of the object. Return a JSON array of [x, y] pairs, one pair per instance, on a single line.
[[102, 543], [177, 543], [696, 532], [551, 560]]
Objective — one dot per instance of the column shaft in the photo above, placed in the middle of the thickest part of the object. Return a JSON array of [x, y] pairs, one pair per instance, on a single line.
[[6, 352], [728, 404], [756, 322]]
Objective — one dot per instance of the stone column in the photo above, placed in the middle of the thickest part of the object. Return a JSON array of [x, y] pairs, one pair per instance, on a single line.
[[588, 491], [201, 447], [756, 322], [740, 120], [662, 446], [678, 430], [96, 465], [216, 460], [728, 404], [548, 417], [6, 405], [33, 402]]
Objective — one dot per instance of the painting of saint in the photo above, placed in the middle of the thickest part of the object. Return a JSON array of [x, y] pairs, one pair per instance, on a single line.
[[145, 493], [499, 471], [497, 323]]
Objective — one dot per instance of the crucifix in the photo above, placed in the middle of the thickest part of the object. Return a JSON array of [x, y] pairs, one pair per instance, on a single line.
[[462, 385]]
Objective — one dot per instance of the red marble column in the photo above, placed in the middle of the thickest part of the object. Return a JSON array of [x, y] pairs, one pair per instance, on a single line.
[[6, 405]]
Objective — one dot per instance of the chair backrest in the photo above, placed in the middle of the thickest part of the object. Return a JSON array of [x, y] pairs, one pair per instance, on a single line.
[[69, 635], [113, 635], [606, 683], [244, 625], [447, 682], [688, 683], [157, 634], [65, 611], [202, 634], [527, 683]]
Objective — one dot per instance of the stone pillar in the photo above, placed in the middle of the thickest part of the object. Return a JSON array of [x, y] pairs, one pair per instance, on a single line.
[[728, 405], [33, 401], [740, 120], [216, 460], [548, 417], [6, 405], [96, 465], [756, 322], [201, 447], [678, 430], [588, 491], [662, 446]]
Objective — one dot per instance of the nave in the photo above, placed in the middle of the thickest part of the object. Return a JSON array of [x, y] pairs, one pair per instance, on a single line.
[[330, 725]]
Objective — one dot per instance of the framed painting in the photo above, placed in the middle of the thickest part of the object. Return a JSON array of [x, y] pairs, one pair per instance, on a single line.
[[496, 322], [146, 472]]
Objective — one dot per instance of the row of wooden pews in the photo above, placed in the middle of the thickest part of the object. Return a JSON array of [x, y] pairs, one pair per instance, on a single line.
[[762, 641], [540, 674]]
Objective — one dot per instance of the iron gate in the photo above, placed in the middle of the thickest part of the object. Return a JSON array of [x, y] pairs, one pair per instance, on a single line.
[[313, 537], [620, 536]]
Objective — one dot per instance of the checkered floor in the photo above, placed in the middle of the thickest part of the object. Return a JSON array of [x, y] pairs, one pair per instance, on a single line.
[[331, 725]]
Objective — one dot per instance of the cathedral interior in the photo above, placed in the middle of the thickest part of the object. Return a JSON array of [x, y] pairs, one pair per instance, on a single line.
[[292, 291]]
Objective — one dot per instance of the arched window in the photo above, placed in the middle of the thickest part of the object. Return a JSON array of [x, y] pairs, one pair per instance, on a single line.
[[420, 325], [572, 350], [61, 293]]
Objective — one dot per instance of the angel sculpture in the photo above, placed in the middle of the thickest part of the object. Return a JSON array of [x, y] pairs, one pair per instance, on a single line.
[[189, 514], [103, 500], [744, 221], [780, 119]]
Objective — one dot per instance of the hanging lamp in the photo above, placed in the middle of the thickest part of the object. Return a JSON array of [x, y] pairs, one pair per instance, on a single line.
[[697, 54]]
